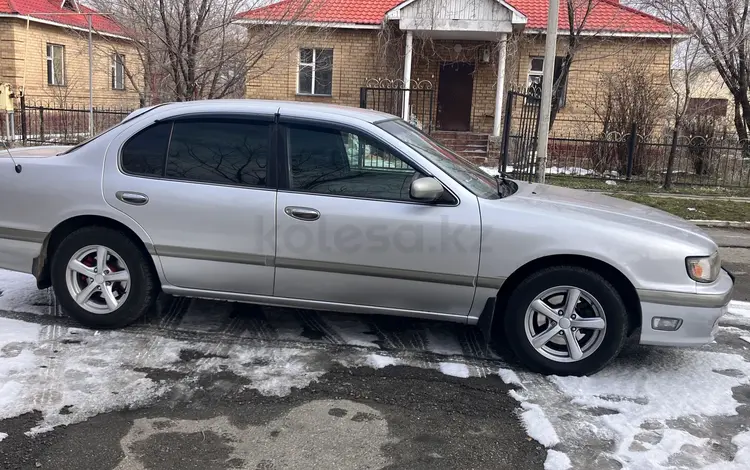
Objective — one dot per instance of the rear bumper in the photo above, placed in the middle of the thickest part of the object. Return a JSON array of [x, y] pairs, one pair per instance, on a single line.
[[699, 314]]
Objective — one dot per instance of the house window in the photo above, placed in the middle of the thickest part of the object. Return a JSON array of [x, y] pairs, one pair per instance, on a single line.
[[715, 107], [118, 72], [536, 76], [55, 64], [315, 72]]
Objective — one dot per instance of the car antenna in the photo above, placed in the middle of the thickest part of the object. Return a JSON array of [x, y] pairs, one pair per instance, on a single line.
[[16, 166]]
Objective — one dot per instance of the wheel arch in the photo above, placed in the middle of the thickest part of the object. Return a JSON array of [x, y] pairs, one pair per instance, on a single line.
[[620, 282], [41, 264]]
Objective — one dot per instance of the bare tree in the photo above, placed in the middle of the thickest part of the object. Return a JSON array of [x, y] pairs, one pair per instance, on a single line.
[[722, 28], [194, 49]]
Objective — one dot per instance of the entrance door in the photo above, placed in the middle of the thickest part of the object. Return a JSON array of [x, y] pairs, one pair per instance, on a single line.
[[454, 96]]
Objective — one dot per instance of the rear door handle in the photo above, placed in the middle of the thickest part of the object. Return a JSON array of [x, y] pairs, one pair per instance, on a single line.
[[129, 197], [302, 213]]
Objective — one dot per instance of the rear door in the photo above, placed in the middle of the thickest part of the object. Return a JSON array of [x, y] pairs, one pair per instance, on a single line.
[[349, 233], [200, 187]]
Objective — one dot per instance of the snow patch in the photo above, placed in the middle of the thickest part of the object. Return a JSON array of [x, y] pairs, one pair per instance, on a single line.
[[557, 460], [682, 384], [3, 436], [377, 361], [538, 426], [18, 293], [509, 377], [455, 369], [745, 338], [741, 310]]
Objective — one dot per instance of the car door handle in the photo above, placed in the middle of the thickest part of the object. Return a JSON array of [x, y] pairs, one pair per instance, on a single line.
[[129, 197], [302, 213]]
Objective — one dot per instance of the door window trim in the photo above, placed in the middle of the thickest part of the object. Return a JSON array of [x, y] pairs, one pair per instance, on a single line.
[[271, 170], [284, 167]]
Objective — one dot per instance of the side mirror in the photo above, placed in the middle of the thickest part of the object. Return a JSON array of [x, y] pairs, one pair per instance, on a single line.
[[426, 189]]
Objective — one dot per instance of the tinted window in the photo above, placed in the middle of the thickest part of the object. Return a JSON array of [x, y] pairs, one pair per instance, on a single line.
[[145, 152], [330, 161], [219, 151]]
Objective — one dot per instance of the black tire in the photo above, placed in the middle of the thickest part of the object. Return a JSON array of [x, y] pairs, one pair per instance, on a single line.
[[143, 288], [615, 334]]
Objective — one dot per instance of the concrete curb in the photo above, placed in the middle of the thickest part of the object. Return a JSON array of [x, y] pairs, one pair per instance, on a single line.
[[674, 195], [720, 223]]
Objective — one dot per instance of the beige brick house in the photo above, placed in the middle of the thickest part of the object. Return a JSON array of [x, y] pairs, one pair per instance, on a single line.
[[469, 53], [44, 52]]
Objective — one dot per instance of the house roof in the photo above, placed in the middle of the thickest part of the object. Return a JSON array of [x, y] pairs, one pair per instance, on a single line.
[[607, 16], [53, 11]]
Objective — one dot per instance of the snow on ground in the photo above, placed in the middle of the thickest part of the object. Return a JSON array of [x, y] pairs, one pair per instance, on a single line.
[[739, 310], [538, 427], [84, 373], [509, 377], [553, 170], [556, 460], [378, 361], [454, 369], [2, 436], [18, 293]]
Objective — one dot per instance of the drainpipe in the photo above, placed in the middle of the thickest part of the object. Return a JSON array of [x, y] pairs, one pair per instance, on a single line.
[[500, 89], [407, 74]]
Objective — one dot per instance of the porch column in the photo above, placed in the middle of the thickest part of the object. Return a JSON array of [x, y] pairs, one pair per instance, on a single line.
[[407, 74], [500, 90]]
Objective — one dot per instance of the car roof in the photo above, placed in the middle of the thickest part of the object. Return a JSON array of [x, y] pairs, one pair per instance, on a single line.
[[284, 108]]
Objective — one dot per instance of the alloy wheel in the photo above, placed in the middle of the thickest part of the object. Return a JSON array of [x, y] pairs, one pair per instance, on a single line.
[[565, 324], [98, 279]]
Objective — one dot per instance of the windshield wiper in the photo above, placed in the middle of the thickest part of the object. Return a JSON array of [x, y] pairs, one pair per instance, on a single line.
[[504, 187]]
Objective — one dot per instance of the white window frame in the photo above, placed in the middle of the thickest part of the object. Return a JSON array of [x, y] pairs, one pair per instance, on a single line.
[[52, 77], [312, 66], [540, 73], [115, 65]]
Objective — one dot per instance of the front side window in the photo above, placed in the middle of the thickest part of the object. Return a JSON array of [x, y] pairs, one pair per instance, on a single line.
[[315, 72], [118, 72], [464, 172], [536, 77], [339, 163], [55, 64], [219, 151]]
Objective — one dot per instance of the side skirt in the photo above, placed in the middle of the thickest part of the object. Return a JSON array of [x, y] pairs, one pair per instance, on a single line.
[[311, 304]]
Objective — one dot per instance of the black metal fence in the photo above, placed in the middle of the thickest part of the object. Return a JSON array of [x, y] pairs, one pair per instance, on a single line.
[[40, 123], [520, 135], [387, 96], [698, 161]]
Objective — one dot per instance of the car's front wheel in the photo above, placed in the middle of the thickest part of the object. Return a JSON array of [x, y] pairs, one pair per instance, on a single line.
[[102, 279], [566, 320]]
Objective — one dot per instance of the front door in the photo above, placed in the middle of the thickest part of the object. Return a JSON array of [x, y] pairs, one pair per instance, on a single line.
[[455, 90], [349, 233]]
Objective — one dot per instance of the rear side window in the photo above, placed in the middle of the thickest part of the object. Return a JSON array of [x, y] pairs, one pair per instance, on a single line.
[[144, 154], [220, 151]]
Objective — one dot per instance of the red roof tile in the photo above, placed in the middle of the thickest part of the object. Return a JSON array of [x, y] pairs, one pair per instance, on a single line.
[[45, 10], [606, 15]]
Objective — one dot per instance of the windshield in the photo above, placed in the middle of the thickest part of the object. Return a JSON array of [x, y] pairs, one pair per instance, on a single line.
[[463, 171], [128, 118]]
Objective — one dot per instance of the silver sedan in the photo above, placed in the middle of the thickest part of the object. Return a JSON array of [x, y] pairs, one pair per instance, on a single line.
[[334, 208]]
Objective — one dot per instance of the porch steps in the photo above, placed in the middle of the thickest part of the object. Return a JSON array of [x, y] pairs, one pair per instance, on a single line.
[[470, 145]]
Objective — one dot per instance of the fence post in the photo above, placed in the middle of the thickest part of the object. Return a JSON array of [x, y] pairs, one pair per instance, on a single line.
[[23, 119], [506, 130], [363, 97], [631, 150], [41, 122]]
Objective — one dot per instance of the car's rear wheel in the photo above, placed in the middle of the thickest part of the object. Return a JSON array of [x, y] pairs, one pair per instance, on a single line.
[[566, 320], [102, 279]]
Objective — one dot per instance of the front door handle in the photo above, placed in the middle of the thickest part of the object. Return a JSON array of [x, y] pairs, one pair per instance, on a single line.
[[302, 213], [129, 197]]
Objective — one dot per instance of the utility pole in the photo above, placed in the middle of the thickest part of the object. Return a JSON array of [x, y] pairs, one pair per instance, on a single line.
[[548, 78], [91, 82]]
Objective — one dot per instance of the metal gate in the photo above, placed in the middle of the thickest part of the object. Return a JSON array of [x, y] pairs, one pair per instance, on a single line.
[[387, 96], [520, 134]]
